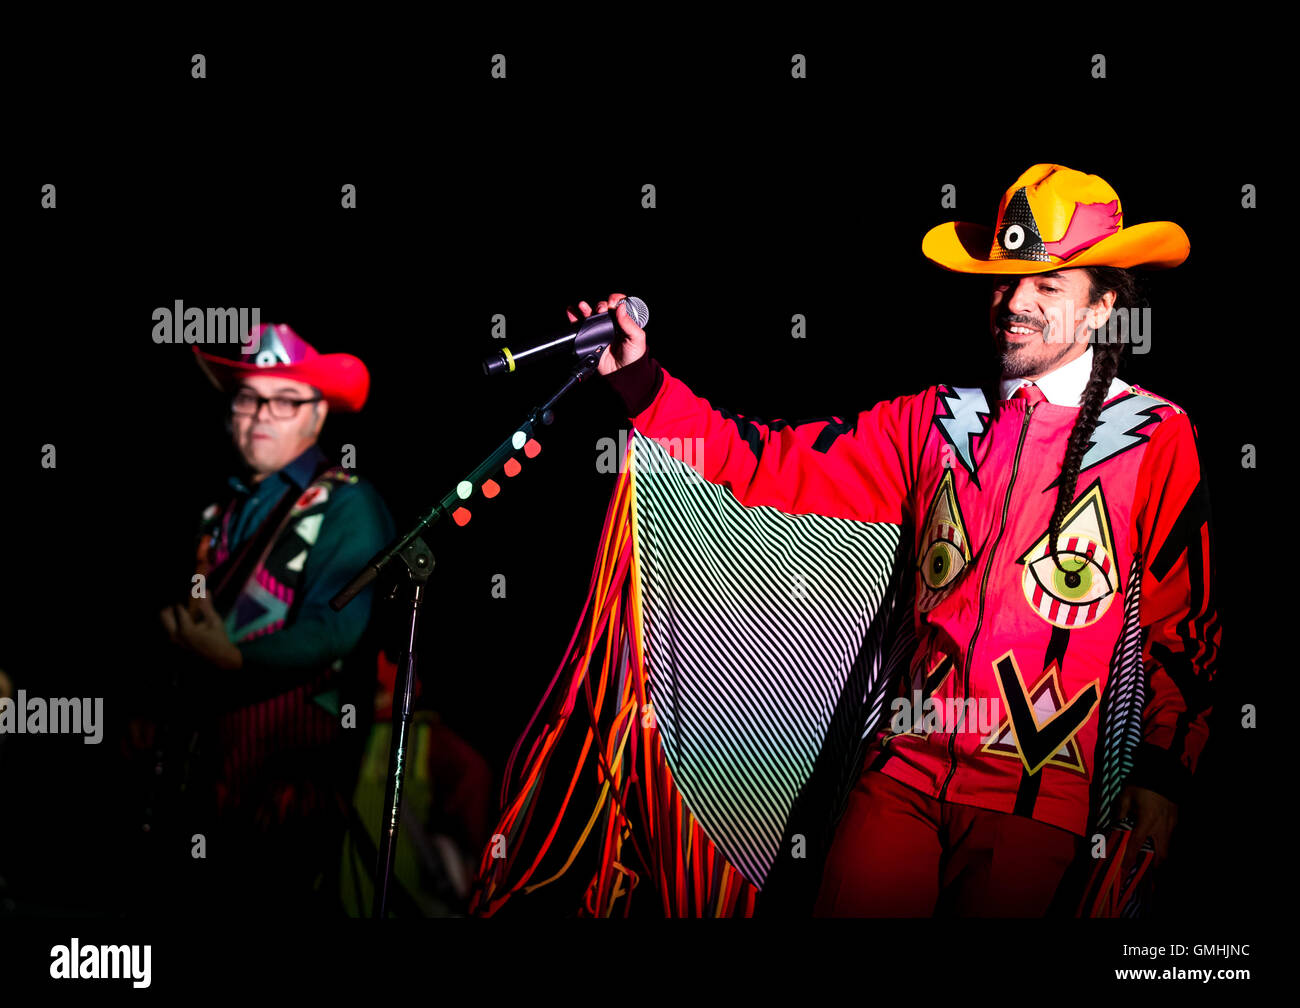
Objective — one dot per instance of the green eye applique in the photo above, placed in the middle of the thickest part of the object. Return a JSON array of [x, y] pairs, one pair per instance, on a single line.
[[1081, 589], [1081, 578], [944, 560], [943, 552]]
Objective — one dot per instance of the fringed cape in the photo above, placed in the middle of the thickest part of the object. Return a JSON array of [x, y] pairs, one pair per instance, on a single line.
[[729, 669]]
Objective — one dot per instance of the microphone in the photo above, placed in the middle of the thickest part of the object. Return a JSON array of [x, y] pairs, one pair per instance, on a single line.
[[590, 336]]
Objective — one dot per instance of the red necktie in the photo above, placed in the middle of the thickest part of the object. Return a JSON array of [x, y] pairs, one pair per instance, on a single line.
[[1031, 393]]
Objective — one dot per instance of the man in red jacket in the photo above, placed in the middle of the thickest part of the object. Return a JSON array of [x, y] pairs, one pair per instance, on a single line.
[[1063, 569]]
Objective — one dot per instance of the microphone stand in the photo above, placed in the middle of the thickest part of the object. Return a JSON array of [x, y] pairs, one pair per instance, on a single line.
[[412, 551]]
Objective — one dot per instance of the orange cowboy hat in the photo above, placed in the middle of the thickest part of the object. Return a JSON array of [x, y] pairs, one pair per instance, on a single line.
[[343, 380], [1054, 217]]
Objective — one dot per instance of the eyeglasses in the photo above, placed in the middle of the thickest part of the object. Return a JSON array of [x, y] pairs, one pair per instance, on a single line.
[[249, 403]]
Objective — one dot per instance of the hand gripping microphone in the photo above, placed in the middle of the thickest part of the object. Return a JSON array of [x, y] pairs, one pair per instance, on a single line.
[[590, 336]]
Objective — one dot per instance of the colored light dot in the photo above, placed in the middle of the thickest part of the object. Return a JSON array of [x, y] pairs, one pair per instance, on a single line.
[[463, 489], [532, 448], [518, 440], [460, 516], [512, 467], [491, 488]]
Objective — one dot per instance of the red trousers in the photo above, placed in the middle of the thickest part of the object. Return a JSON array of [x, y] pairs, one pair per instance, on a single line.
[[900, 853]]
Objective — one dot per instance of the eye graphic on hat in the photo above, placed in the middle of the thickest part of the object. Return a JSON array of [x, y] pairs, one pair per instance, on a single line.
[[1019, 237], [272, 351]]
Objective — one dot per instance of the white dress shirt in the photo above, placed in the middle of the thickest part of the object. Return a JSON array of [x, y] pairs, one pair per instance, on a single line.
[[1065, 385]]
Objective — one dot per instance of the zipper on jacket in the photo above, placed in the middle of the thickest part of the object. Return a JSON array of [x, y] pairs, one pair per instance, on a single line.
[[979, 620]]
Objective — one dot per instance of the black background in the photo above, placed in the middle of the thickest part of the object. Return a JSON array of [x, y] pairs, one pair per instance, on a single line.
[[477, 197]]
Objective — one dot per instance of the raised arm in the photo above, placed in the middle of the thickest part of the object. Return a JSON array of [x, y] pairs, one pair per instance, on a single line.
[[861, 468]]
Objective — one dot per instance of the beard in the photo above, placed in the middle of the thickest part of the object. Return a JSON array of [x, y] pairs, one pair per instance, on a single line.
[[1024, 360]]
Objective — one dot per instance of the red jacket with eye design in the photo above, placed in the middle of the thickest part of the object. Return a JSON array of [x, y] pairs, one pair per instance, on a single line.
[[1001, 630]]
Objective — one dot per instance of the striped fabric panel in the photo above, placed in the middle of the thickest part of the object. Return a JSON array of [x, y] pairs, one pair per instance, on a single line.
[[886, 656], [288, 727], [896, 642], [756, 624], [1119, 726]]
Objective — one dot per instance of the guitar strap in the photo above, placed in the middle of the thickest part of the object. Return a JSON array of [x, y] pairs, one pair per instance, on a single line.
[[227, 579], [186, 717]]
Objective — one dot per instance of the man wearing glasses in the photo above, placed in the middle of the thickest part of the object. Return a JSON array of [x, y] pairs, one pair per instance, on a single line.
[[293, 533]]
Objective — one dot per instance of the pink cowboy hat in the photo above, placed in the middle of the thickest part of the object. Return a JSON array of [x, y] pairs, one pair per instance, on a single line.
[[343, 379]]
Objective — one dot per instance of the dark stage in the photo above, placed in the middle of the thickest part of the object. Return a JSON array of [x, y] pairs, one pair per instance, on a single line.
[[478, 197]]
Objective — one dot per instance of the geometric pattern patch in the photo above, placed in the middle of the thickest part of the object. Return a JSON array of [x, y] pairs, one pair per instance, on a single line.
[[261, 608], [309, 528], [924, 685], [1047, 701], [1039, 740], [317, 493]]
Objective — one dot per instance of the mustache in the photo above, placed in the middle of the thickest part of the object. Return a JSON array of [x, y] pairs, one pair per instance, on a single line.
[[1020, 320]]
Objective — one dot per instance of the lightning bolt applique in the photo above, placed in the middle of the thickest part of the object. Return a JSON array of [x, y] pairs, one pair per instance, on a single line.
[[1089, 224], [967, 419], [1117, 429]]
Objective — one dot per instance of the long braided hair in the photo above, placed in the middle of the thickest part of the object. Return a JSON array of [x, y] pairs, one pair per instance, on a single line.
[[1105, 365]]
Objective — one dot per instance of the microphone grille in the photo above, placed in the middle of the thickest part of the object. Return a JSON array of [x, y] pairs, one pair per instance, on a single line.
[[637, 309]]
